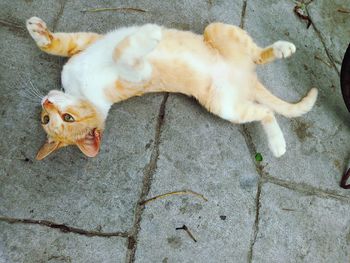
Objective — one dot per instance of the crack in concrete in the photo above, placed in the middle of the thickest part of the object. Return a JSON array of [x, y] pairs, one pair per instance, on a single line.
[[244, 9], [256, 222], [210, 3], [149, 171], [11, 25], [305, 188], [318, 32], [59, 14], [62, 227], [260, 171]]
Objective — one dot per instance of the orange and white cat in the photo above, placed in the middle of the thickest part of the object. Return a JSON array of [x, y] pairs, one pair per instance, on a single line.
[[217, 68]]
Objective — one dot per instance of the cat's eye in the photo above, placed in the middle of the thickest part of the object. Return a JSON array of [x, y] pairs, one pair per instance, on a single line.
[[67, 117], [45, 119]]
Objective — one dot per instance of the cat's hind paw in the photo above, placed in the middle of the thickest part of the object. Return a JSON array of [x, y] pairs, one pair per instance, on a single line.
[[283, 49], [38, 30], [277, 145]]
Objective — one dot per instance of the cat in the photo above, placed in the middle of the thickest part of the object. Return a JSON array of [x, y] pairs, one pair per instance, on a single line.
[[217, 68]]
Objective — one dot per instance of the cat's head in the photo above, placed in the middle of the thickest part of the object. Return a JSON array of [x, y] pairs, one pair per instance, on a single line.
[[68, 120]]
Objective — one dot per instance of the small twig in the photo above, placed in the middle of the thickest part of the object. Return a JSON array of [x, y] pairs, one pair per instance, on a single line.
[[183, 192], [322, 60], [343, 10], [288, 209], [301, 12], [63, 228], [122, 9], [184, 227]]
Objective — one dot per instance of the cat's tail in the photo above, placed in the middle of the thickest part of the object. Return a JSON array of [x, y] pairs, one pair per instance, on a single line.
[[264, 96]]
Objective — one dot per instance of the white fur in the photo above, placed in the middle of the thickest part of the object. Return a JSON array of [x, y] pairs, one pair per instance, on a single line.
[[142, 43], [283, 49], [227, 93], [37, 28], [93, 70], [276, 141]]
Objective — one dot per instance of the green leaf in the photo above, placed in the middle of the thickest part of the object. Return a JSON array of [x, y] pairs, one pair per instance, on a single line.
[[258, 157]]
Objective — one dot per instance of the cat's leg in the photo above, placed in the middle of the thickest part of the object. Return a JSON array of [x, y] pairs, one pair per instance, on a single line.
[[60, 44], [234, 43], [130, 54], [249, 112], [279, 49]]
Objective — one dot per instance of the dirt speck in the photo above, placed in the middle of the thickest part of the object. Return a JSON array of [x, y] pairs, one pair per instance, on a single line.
[[148, 144], [337, 165], [174, 242], [191, 208], [301, 129]]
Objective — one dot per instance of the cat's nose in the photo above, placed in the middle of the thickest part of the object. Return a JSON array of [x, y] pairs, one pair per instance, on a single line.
[[46, 102], [43, 100]]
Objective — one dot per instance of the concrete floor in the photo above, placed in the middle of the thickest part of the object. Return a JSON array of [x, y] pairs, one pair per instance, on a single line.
[[69, 208]]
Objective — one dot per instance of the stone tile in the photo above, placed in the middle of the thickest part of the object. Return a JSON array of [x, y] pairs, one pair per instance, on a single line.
[[88, 193], [317, 143], [27, 243], [67, 187], [203, 153], [294, 227], [225, 11], [182, 14], [334, 26]]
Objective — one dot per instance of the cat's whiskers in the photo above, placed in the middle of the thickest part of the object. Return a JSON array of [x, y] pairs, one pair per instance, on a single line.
[[36, 90], [30, 96], [30, 93], [24, 82]]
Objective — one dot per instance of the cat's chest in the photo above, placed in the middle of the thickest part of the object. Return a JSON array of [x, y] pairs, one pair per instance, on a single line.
[[90, 71], [87, 75]]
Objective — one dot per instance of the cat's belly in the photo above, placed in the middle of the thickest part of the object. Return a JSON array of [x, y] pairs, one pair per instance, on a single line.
[[231, 84], [214, 82]]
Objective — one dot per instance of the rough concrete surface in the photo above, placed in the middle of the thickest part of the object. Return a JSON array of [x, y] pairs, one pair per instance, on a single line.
[[69, 208], [296, 227]]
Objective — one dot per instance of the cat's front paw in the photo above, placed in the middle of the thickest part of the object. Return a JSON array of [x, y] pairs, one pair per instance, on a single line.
[[277, 145], [39, 32], [283, 49], [147, 38]]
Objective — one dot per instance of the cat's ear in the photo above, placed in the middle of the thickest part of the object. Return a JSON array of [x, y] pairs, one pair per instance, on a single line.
[[47, 148], [90, 145]]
